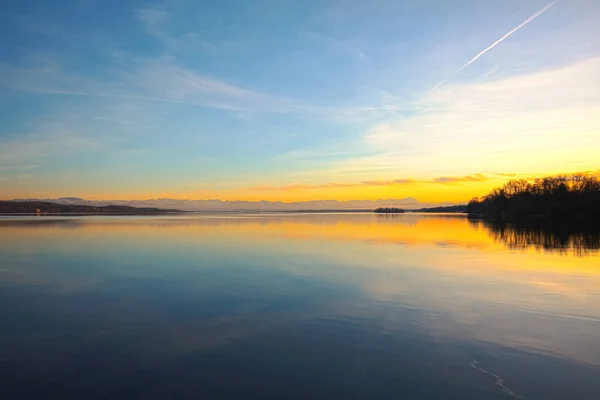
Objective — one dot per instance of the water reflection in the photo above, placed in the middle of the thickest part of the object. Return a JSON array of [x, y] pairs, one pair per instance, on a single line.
[[408, 229], [576, 238], [321, 306]]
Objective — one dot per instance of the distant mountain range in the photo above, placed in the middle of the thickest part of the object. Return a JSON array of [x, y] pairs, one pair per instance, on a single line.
[[407, 203]]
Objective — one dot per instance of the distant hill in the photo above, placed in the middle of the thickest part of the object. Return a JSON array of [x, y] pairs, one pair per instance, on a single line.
[[407, 203], [43, 207]]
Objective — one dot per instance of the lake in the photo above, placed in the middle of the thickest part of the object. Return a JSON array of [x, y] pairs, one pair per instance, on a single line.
[[297, 306]]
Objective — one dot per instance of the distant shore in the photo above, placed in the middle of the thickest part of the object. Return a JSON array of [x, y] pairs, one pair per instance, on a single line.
[[47, 208], [18, 207]]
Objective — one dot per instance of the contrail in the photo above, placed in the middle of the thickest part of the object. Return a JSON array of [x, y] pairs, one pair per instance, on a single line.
[[440, 83], [497, 42]]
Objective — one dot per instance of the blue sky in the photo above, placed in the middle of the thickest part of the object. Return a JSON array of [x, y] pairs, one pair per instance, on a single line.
[[294, 99]]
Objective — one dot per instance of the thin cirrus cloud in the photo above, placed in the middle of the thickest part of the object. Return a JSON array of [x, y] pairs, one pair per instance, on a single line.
[[164, 81], [155, 21], [159, 81], [537, 118], [142, 78], [468, 178], [146, 79]]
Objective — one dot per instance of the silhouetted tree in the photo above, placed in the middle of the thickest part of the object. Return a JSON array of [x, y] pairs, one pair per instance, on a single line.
[[576, 196]]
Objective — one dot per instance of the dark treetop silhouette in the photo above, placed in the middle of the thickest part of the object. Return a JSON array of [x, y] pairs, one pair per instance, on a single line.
[[389, 210], [575, 197]]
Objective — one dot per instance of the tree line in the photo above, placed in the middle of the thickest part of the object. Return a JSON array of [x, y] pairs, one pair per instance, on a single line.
[[574, 196], [388, 210]]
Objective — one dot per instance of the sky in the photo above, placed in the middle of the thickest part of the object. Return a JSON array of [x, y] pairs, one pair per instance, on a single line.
[[440, 100]]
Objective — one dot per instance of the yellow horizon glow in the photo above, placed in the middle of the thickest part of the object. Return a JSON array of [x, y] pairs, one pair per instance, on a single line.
[[455, 190]]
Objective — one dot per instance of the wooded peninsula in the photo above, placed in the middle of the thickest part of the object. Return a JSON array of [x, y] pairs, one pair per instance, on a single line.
[[572, 197]]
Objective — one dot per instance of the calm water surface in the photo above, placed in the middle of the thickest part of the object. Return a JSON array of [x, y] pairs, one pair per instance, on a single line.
[[319, 306]]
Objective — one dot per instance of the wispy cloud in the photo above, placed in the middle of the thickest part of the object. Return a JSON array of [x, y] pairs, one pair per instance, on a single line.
[[17, 172], [460, 179], [159, 80], [156, 19], [35, 146], [300, 186], [152, 17], [135, 78], [17, 167], [508, 34], [333, 45], [533, 118], [391, 182], [162, 80], [98, 129]]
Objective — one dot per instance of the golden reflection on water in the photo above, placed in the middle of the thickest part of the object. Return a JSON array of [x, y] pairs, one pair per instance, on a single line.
[[336, 235], [365, 227], [407, 229], [466, 270]]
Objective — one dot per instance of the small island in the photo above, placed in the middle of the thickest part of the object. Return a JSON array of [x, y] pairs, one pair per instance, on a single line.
[[575, 198], [388, 210]]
